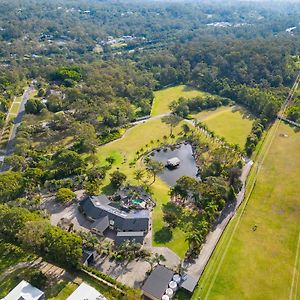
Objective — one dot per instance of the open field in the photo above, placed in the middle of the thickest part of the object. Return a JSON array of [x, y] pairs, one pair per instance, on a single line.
[[232, 123], [163, 98], [124, 151], [261, 259]]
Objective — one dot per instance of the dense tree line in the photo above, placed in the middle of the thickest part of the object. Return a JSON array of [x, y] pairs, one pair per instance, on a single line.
[[20, 226]]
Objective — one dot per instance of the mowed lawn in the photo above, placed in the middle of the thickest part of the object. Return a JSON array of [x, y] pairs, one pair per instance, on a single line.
[[261, 264], [163, 98], [124, 151], [232, 123]]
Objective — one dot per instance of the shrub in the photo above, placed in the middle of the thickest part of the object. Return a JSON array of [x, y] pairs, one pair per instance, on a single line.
[[65, 195]]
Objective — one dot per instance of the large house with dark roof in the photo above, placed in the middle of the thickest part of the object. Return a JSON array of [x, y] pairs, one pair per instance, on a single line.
[[106, 214]]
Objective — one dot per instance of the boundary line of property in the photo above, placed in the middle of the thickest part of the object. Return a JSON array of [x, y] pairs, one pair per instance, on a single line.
[[260, 161], [293, 290]]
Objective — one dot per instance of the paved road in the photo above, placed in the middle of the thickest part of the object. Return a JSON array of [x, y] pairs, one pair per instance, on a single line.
[[18, 120], [197, 267]]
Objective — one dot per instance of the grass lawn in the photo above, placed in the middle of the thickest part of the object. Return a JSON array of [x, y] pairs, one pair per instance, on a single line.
[[66, 291], [124, 152], [11, 255], [232, 123], [261, 263], [163, 98]]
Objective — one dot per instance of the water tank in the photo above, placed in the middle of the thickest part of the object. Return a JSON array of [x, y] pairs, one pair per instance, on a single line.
[[173, 285], [177, 278], [169, 293], [165, 297]]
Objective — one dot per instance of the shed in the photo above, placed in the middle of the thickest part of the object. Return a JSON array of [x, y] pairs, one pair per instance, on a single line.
[[173, 162], [25, 291], [188, 283], [86, 292], [157, 283], [88, 257]]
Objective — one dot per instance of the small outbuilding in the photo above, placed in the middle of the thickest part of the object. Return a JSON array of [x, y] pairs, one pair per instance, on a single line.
[[157, 283], [25, 291], [86, 292], [188, 283], [173, 162]]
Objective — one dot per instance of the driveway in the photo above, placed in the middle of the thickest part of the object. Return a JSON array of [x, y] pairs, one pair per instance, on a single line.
[[196, 268], [58, 211]]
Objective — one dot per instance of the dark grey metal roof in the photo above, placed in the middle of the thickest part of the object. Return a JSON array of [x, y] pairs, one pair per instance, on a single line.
[[101, 224], [158, 281], [131, 233], [188, 283], [133, 220]]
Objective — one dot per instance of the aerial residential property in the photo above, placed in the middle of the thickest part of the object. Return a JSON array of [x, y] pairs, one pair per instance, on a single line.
[[149, 149], [130, 224]]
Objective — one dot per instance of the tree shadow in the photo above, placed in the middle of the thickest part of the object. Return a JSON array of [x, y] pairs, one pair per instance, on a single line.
[[109, 189], [164, 235]]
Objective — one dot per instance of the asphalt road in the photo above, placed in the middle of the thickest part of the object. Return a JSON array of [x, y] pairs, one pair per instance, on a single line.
[[18, 120]]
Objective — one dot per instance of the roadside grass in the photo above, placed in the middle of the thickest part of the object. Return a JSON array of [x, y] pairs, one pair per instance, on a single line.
[[164, 97], [260, 263], [66, 291], [124, 152], [14, 108], [232, 123]]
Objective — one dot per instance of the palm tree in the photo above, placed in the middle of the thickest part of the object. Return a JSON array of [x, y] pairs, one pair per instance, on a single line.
[[155, 260], [195, 241], [158, 258], [138, 175]]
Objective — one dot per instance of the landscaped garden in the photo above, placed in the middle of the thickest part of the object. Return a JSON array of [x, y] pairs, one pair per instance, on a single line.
[[141, 138], [260, 261], [126, 156]]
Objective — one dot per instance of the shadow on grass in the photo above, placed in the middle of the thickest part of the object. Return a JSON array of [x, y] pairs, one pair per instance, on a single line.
[[109, 189], [164, 235]]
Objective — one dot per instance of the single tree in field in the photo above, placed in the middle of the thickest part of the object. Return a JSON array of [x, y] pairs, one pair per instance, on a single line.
[[185, 128], [154, 167], [172, 121], [117, 178]]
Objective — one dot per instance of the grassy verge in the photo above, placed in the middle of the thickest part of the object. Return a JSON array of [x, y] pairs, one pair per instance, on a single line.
[[255, 258]]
